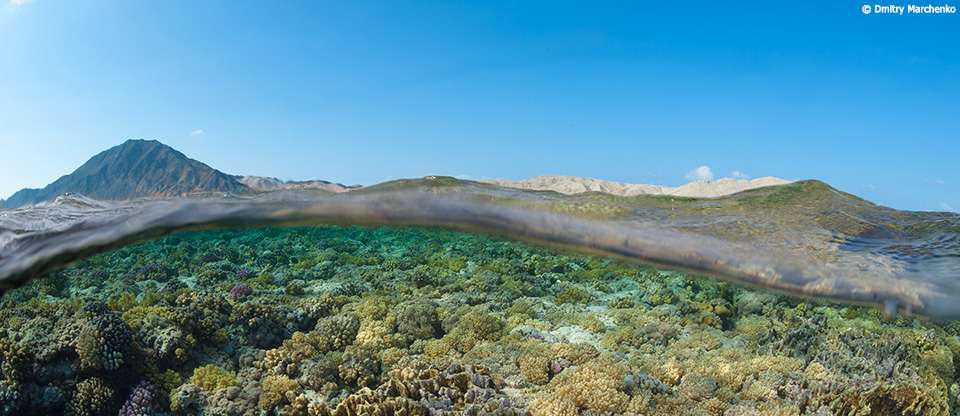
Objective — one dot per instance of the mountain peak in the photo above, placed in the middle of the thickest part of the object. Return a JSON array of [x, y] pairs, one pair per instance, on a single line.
[[135, 168]]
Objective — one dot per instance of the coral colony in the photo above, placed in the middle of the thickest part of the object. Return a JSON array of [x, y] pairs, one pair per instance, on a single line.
[[351, 321]]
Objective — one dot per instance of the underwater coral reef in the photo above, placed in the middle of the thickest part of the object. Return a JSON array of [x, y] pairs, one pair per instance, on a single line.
[[409, 321]]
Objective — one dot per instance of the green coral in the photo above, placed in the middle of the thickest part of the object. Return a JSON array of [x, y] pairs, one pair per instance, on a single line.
[[572, 295]]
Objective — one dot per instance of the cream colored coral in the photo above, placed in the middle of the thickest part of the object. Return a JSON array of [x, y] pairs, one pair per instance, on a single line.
[[534, 368], [552, 405], [596, 386], [816, 371], [669, 373], [578, 354], [374, 335]]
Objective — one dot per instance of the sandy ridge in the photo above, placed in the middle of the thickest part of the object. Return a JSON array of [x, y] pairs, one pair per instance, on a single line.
[[576, 185]]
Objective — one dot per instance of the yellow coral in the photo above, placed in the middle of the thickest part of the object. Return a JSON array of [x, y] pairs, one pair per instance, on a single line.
[[391, 356], [276, 389], [437, 347], [928, 398], [212, 378]]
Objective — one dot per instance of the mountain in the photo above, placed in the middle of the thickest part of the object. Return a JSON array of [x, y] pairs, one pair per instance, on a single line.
[[148, 168], [136, 168], [266, 184], [575, 185]]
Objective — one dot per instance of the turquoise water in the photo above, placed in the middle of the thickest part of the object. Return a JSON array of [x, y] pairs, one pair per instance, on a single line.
[[505, 303]]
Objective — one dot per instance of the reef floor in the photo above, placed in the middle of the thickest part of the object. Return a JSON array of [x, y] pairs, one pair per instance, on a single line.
[[412, 321]]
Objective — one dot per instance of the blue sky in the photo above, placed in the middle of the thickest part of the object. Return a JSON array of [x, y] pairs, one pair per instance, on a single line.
[[363, 92]]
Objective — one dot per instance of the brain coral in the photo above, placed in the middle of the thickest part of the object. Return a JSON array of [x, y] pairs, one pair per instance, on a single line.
[[418, 320], [234, 401]]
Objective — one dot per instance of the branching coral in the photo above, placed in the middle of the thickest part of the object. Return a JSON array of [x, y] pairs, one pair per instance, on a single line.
[[683, 346], [276, 390], [596, 386], [143, 401], [104, 342], [212, 378], [15, 360], [92, 398], [341, 330]]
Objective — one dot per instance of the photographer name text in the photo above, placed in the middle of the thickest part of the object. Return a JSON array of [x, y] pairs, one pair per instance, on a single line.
[[909, 9]]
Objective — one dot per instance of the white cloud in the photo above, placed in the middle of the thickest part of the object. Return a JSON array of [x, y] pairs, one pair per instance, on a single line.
[[740, 175], [946, 207], [20, 2], [941, 182], [703, 173], [467, 177], [196, 132], [868, 186]]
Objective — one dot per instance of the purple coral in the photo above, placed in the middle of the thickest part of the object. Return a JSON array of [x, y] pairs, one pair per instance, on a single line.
[[240, 290], [243, 274], [541, 338], [209, 258], [142, 401], [558, 365], [150, 268], [125, 277]]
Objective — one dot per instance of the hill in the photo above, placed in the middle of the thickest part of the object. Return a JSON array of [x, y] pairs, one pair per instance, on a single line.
[[575, 185], [136, 168]]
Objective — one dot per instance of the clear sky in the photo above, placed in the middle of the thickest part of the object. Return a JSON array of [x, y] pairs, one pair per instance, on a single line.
[[363, 92]]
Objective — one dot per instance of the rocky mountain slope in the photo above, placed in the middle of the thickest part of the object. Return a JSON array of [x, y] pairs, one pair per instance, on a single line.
[[136, 168]]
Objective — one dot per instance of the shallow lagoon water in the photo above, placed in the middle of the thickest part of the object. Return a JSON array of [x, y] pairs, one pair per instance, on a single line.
[[344, 320]]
